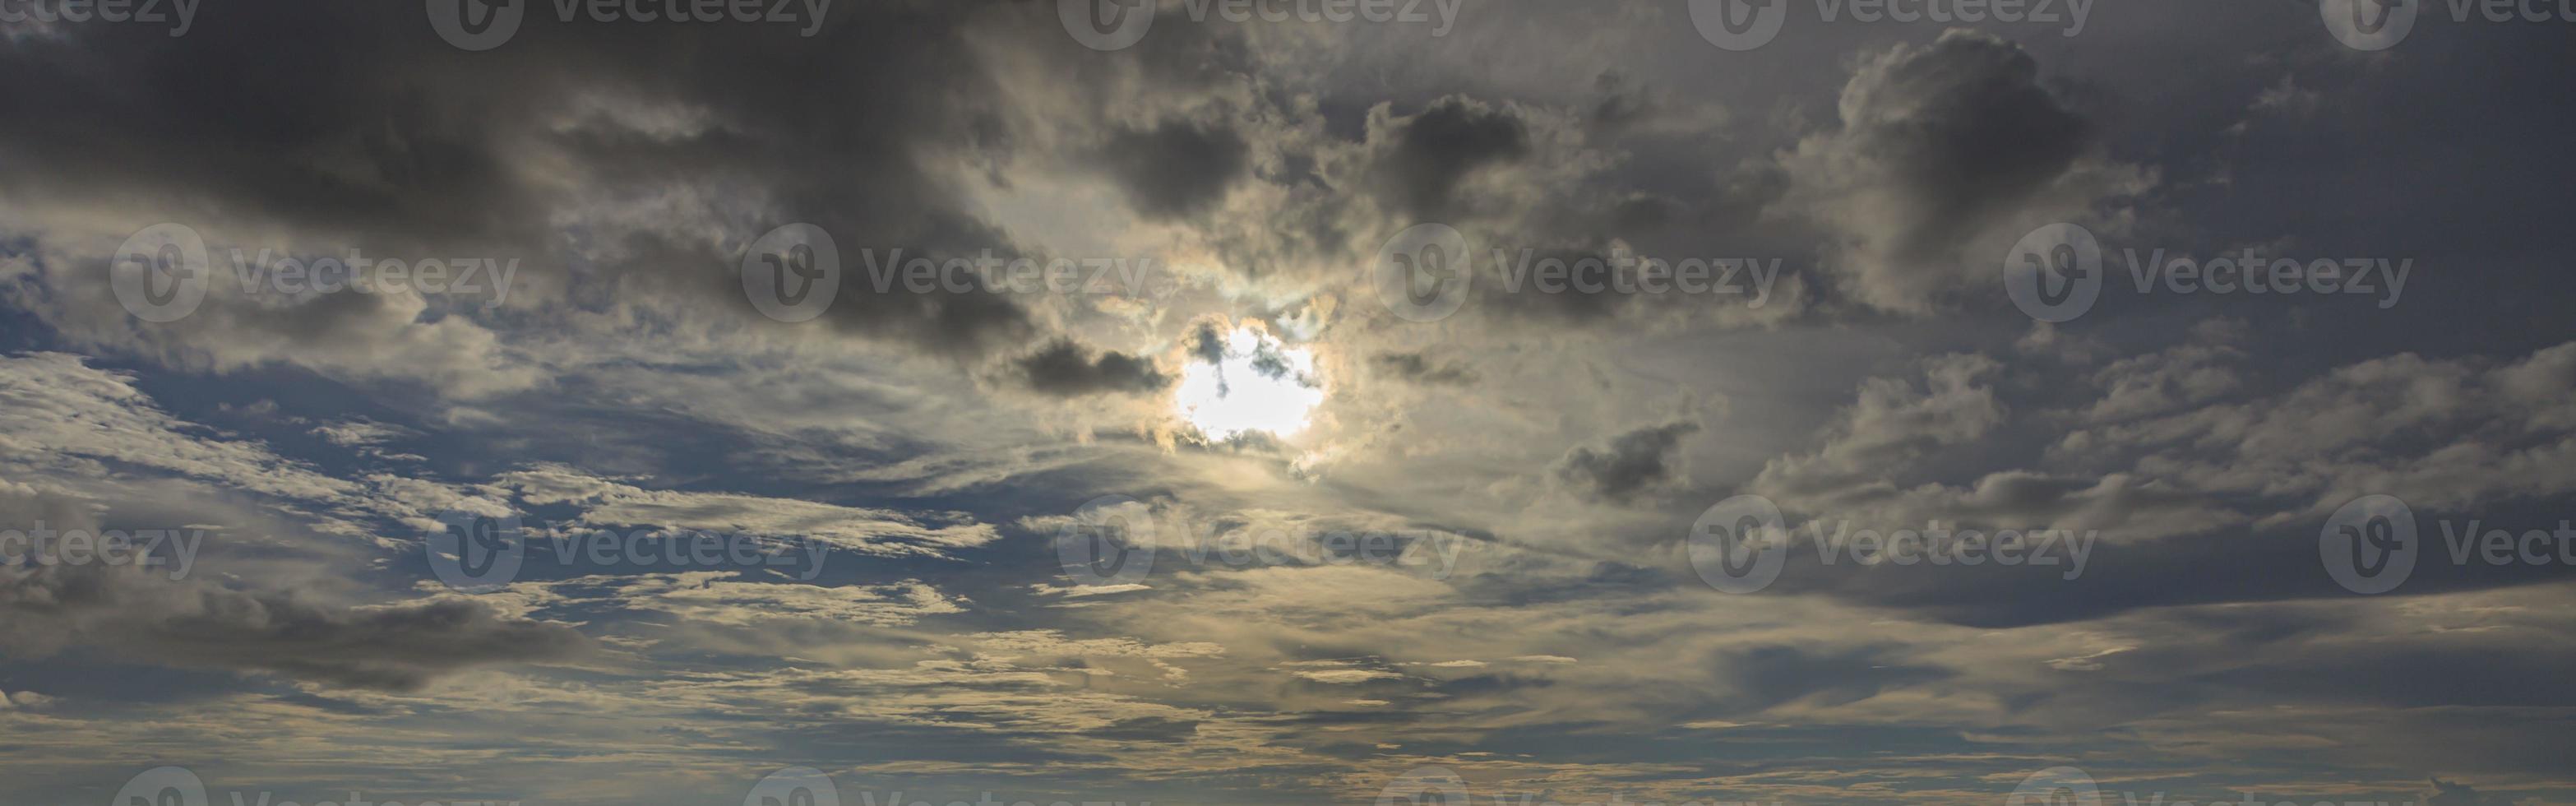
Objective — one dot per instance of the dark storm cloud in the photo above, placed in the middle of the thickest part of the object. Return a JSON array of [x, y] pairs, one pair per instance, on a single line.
[[1177, 168], [1937, 145], [1633, 462], [329, 126], [1438, 148], [2452, 793], [1207, 342], [1420, 368], [145, 617], [1067, 369], [142, 614]]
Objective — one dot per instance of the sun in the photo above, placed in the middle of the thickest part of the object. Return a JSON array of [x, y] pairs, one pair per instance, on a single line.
[[1259, 384]]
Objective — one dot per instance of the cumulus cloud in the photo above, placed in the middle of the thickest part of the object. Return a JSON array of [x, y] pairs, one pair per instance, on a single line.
[[1941, 148], [1632, 463], [1066, 369]]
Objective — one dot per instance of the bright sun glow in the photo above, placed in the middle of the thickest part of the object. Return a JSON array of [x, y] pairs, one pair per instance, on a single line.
[[1261, 385]]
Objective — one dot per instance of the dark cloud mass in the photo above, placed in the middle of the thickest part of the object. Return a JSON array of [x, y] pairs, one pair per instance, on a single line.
[[1436, 149], [951, 401], [1066, 369], [1632, 463], [1176, 168]]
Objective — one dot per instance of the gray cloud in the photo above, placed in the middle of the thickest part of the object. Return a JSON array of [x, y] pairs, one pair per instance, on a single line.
[[1066, 369], [1176, 168], [1938, 147], [1632, 463]]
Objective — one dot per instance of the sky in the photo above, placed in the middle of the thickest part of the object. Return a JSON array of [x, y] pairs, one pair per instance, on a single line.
[[1460, 402]]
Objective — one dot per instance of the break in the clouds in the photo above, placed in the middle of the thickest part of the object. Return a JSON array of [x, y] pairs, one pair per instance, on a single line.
[[1652, 401]]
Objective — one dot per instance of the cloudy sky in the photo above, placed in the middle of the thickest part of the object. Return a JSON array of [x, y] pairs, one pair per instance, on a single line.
[[1452, 401]]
